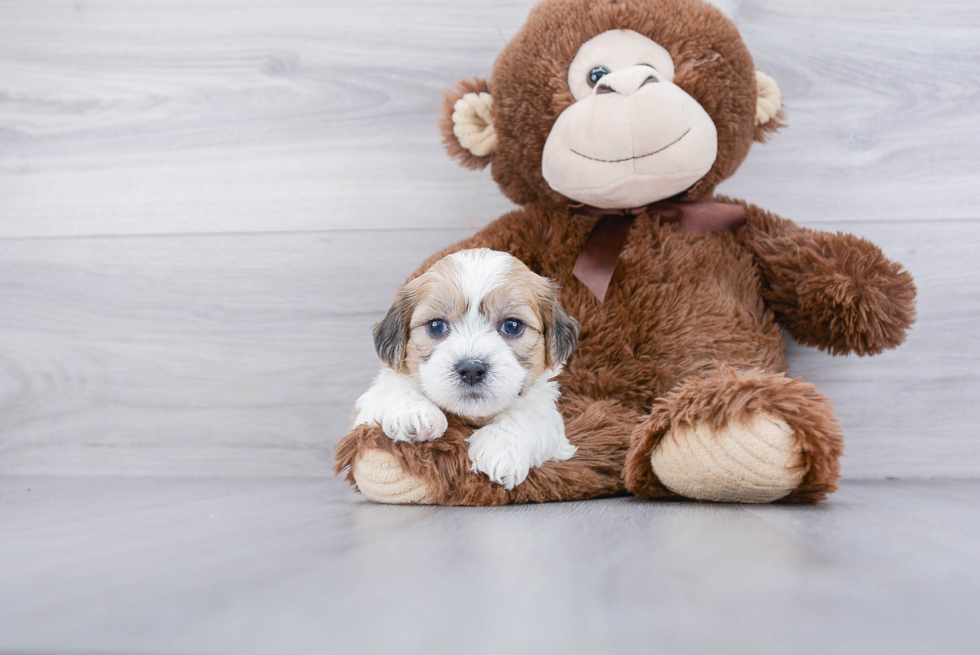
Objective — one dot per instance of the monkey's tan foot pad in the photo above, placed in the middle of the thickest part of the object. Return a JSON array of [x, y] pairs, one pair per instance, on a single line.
[[381, 478], [759, 460]]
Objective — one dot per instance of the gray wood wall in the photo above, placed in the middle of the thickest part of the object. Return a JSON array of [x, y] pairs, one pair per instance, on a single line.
[[205, 205]]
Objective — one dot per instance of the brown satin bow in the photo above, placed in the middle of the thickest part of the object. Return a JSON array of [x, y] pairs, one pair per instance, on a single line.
[[597, 261]]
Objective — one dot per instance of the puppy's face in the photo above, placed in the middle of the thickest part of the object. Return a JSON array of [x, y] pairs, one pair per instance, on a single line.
[[477, 328]]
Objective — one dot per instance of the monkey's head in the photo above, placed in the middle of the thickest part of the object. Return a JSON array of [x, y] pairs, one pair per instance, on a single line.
[[614, 103]]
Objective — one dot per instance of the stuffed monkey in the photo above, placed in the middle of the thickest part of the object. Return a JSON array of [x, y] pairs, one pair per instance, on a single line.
[[610, 123]]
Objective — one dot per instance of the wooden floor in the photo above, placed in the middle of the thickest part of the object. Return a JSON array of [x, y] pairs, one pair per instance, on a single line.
[[165, 565], [205, 205]]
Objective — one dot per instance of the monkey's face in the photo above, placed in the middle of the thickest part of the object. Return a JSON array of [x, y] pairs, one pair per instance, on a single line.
[[632, 136], [614, 103]]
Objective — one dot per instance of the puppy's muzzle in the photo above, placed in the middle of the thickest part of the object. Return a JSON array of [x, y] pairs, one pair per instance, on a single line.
[[471, 371]]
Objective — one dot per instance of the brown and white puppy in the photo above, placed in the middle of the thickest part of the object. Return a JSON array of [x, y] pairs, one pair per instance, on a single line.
[[481, 336]]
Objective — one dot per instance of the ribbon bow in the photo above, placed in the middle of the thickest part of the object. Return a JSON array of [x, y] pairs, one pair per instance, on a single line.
[[597, 261]]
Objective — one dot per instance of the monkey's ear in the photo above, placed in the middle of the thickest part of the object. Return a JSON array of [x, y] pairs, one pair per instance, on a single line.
[[391, 332], [466, 123], [768, 107]]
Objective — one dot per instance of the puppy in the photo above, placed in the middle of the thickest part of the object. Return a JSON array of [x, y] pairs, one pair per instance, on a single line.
[[481, 336]]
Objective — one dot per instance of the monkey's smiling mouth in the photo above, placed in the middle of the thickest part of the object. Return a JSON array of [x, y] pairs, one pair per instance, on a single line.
[[649, 154]]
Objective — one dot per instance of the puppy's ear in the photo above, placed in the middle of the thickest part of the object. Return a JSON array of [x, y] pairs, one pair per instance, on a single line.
[[561, 329], [466, 123], [563, 336], [391, 332]]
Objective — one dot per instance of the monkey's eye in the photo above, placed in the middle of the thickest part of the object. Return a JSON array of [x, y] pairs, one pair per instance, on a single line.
[[437, 328], [596, 74], [512, 327]]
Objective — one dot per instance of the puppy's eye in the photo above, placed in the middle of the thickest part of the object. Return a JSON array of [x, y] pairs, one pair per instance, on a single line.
[[512, 327], [436, 328], [596, 74]]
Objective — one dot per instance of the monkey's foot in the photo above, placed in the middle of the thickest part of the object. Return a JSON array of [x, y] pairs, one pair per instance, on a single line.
[[381, 478], [737, 436], [758, 460]]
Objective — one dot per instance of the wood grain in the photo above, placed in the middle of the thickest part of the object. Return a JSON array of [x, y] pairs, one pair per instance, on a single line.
[[189, 117], [230, 355]]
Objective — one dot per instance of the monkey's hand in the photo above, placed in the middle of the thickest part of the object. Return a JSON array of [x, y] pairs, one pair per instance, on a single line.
[[837, 292], [394, 402]]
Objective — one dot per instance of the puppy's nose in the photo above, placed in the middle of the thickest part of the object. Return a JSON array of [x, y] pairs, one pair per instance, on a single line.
[[471, 370]]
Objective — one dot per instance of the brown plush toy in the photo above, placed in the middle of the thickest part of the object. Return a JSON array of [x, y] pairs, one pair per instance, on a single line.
[[610, 122]]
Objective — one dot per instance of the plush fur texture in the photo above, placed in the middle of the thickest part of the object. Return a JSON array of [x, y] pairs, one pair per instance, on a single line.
[[689, 329], [600, 429], [727, 395]]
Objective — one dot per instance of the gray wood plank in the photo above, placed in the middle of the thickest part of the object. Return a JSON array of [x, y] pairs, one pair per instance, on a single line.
[[240, 115], [243, 351], [125, 565], [242, 355]]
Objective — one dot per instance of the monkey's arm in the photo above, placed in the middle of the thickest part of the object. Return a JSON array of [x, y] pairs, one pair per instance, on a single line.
[[835, 291]]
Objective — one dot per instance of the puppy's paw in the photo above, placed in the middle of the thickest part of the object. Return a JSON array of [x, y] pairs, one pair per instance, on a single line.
[[496, 452], [413, 417]]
